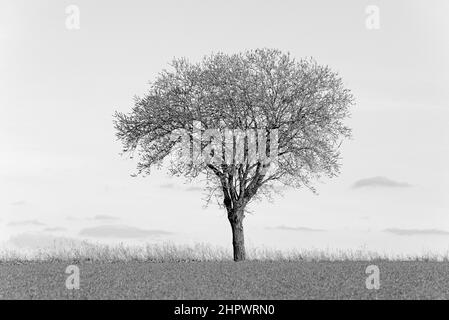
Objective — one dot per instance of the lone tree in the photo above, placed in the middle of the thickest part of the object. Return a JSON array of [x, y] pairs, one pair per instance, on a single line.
[[207, 119]]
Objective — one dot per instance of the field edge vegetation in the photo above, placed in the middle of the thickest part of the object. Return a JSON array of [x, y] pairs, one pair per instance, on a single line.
[[170, 252]]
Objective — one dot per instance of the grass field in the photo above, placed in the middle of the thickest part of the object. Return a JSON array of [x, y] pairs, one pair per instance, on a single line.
[[171, 272], [225, 280]]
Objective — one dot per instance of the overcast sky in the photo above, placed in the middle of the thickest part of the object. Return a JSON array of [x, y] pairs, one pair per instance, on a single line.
[[61, 174]]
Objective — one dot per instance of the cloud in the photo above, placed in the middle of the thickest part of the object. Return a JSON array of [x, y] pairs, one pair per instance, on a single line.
[[125, 232], [379, 182], [104, 217], [173, 186], [98, 217], [54, 229], [25, 223], [167, 186], [194, 189], [40, 241], [417, 232], [19, 203], [302, 229]]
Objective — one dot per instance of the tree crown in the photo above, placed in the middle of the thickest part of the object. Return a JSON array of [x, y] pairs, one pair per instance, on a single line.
[[256, 92]]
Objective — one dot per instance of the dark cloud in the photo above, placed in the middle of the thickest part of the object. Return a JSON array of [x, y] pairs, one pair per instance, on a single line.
[[120, 231], [379, 182], [25, 223], [302, 229], [417, 232]]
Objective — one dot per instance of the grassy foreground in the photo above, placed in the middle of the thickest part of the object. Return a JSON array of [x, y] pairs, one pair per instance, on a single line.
[[225, 280], [203, 272]]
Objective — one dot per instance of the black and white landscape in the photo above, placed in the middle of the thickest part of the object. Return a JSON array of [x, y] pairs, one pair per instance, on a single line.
[[224, 149]]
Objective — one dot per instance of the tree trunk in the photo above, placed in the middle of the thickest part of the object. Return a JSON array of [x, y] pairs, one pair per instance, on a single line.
[[238, 240]]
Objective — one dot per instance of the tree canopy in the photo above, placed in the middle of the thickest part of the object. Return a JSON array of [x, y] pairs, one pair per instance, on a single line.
[[261, 89]]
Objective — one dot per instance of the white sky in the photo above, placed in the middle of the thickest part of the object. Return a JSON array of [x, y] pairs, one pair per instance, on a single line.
[[59, 160]]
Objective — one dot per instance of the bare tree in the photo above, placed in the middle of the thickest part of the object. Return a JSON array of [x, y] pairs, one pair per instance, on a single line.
[[258, 91]]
